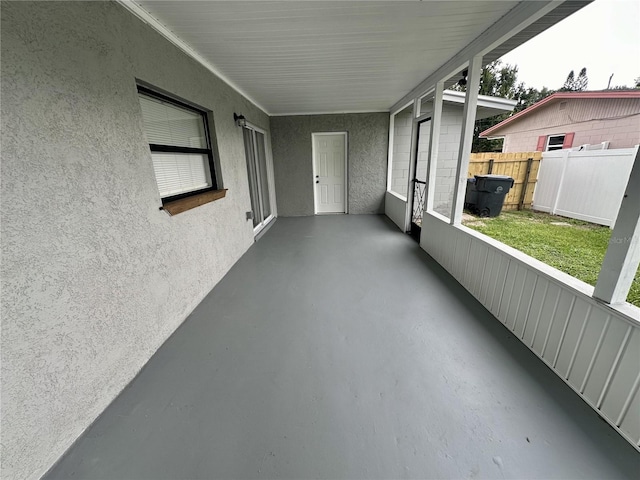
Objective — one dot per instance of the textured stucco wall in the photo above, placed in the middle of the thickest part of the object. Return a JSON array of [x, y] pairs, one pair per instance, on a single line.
[[94, 276], [368, 137]]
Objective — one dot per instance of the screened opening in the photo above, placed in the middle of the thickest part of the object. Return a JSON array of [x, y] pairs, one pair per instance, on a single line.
[[401, 152], [447, 156]]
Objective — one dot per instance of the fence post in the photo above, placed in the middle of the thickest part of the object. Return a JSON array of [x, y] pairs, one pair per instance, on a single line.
[[525, 185]]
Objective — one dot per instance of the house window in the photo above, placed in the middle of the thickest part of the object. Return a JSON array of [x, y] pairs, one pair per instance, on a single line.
[[178, 136], [555, 142]]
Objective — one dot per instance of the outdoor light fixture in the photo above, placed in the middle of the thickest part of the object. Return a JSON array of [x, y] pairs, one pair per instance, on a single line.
[[240, 120], [463, 81]]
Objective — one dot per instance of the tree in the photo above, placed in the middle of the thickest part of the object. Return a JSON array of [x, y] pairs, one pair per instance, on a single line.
[[569, 83], [573, 84], [582, 81], [501, 80]]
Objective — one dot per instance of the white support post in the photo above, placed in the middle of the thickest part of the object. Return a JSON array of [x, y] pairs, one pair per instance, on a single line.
[[390, 154], [434, 141], [466, 138], [623, 253]]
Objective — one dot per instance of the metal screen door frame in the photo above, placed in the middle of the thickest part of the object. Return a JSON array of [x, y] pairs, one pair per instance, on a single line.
[[417, 195]]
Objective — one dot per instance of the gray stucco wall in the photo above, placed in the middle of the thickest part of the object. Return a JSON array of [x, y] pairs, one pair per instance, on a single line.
[[368, 135], [94, 276]]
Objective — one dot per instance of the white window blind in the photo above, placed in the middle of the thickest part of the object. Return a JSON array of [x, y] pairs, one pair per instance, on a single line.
[[178, 173], [168, 124]]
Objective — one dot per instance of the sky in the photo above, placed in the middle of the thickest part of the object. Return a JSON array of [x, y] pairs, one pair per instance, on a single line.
[[604, 36]]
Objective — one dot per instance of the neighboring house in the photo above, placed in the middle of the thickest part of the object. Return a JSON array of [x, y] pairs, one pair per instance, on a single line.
[[573, 120]]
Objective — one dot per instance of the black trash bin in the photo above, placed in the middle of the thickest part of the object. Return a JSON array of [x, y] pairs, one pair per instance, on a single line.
[[471, 195], [490, 192]]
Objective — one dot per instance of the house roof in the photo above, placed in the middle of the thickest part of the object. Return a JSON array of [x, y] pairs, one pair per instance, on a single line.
[[308, 57], [487, 106], [600, 94]]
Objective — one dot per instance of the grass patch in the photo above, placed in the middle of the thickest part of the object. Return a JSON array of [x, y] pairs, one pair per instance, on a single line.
[[572, 246]]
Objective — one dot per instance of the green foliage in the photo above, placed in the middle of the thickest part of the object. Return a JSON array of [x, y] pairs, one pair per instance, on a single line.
[[572, 246], [501, 80]]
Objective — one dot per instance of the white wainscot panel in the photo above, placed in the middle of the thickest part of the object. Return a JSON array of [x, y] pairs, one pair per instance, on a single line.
[[593, 348]]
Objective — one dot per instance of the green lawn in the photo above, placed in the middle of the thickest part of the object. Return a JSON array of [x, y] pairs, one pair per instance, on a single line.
[[573, 246]]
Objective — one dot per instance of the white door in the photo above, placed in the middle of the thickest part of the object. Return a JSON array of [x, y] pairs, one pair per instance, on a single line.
[[329, 169]]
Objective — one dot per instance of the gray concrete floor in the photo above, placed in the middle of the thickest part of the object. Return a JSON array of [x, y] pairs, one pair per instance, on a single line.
[[336, 348]]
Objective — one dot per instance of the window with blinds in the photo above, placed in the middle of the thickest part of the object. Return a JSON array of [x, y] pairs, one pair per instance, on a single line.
[[180, 146]]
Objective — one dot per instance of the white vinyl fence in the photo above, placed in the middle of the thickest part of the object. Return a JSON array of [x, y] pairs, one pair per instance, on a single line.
[[587, 185]]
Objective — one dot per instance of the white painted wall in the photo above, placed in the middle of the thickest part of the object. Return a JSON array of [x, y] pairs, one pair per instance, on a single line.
[[586, 185], [594, 348], [396, 209]]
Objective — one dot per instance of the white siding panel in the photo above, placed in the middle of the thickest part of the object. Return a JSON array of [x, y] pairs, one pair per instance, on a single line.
[[516, 297], [539, 299], [573, 337], [616, 400], [595, 349], [488, 281], [462, 255], [396, 210], [631, 423], [477, 259], [507, 292], [549, 308], [524, 309], [604, 362], [558, 327], [589, 350], [502, 267]]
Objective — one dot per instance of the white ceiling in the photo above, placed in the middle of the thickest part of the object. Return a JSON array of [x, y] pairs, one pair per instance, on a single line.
[[321, 57]]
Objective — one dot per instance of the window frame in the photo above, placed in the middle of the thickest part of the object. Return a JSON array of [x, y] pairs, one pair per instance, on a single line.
[[154, 147], [556, 147]]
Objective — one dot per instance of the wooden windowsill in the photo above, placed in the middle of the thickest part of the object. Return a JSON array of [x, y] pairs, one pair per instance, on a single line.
[[184, 204]]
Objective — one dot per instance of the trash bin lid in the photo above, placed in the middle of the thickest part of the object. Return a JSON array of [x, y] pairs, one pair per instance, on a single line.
[[496, 177]]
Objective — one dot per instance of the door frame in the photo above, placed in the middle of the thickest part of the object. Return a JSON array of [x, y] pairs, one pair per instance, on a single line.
[[346, 170], [414, 230], [270, 177]]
